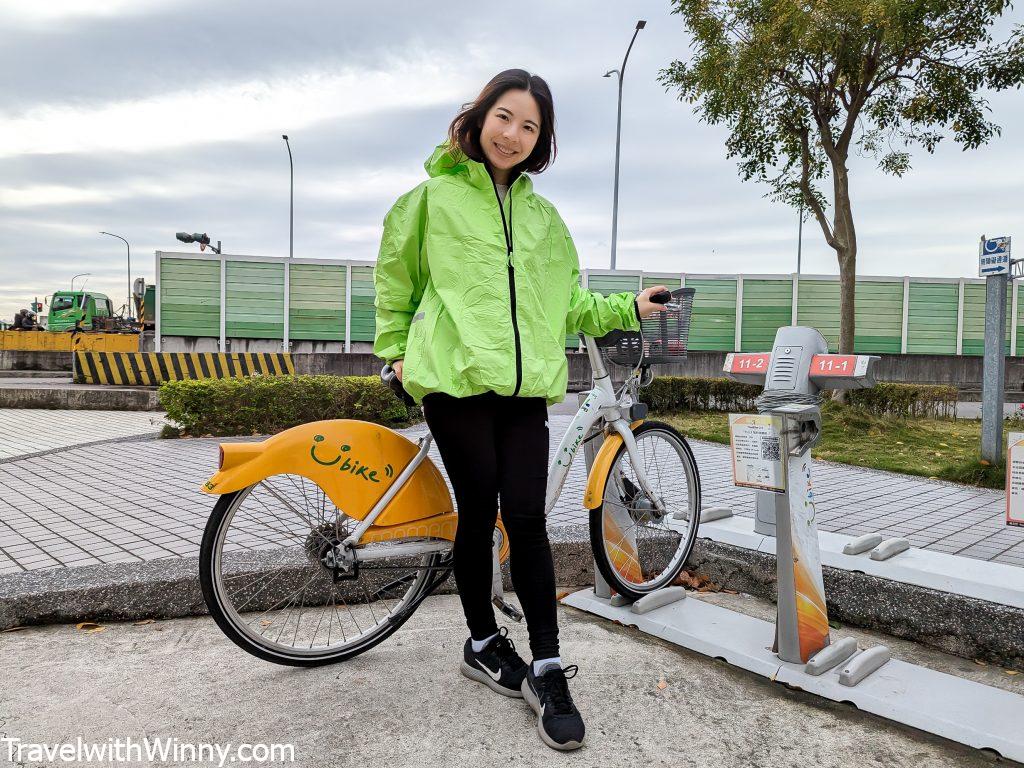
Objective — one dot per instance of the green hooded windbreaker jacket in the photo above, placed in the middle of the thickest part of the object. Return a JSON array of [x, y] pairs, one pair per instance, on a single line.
[[479, 296]]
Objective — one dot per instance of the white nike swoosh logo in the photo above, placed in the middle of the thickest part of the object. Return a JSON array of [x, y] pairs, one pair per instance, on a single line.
[[496, 676]]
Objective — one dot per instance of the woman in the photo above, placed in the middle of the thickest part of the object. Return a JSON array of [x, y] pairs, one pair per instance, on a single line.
[[477, 288]]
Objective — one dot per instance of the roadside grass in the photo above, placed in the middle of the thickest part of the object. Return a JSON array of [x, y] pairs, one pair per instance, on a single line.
[[944, 449]]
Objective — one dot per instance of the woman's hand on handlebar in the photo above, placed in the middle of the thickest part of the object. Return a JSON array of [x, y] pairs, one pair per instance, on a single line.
[[648, 307], [397, 367]]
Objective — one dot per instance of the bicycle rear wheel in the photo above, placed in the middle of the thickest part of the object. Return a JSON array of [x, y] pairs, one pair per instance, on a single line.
[[638, 549], [265, 566]]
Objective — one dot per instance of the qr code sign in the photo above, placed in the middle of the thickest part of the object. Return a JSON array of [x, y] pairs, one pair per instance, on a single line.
[[770, 449]]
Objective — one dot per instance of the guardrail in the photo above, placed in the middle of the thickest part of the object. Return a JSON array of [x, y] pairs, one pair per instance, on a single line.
[[152, 368]]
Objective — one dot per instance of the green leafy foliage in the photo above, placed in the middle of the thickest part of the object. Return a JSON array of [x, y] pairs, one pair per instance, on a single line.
[[905, 400], [667, 394], [944, 449], [264, 405], [801, 83]]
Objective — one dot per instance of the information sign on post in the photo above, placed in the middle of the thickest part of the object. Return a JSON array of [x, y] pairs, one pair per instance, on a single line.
[[1015, 479], [994, 265], [994, 256], [758, 460]]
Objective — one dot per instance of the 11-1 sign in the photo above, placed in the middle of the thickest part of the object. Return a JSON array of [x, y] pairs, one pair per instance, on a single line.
[[839, 365]]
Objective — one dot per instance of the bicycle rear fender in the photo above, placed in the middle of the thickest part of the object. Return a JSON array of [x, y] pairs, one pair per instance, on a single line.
[[354, 462], [594, 495]]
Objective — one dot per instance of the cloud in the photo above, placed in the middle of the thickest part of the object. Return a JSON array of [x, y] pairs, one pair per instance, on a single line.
[[146, 118], [233, 111]]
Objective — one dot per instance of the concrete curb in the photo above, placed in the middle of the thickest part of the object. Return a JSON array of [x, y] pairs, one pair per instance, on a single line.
[[72, 398], [169, 588]]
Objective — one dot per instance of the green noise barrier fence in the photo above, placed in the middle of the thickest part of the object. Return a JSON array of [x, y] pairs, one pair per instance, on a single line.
[[331, 300]]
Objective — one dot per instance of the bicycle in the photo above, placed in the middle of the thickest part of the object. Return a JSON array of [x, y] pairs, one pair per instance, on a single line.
[[343, 520]]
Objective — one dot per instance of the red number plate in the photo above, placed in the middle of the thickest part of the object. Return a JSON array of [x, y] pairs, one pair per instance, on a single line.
[[839, 365], [752, 362]]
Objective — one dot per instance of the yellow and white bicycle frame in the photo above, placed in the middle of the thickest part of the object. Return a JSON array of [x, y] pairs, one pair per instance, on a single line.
[[387, 482]]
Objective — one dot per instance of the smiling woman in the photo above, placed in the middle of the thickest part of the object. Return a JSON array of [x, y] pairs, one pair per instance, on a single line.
[[477, 286]]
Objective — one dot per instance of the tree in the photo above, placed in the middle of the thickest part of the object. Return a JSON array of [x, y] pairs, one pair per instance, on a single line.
[[799, 83]]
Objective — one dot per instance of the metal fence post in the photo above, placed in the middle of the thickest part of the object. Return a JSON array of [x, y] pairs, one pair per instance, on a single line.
[[906, 315], [796, 298], [1013, 320], [738, 341], [223, 304], [960, 318], [287, 305], [348, 308], [156, 309]]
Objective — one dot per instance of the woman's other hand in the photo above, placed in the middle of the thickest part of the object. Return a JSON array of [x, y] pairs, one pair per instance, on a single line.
[[397, 366], [644, 304]]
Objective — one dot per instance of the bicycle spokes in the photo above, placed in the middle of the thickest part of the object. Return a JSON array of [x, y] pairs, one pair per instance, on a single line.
[[287, 584], [641, 536]]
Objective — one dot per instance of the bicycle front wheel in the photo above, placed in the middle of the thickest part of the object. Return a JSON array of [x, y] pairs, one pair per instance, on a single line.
[[266, 569], [639, 547]]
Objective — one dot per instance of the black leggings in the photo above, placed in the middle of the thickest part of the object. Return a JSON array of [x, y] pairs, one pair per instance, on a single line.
[[492, 446]]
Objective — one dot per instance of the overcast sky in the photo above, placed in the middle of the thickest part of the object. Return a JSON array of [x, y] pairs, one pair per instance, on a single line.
[[147, 117]]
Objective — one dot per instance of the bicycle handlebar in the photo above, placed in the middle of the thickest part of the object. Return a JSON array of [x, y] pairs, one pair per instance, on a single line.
[[391, 380]]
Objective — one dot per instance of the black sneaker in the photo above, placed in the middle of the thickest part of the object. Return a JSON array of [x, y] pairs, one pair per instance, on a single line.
[[497, 666], [558, 721]]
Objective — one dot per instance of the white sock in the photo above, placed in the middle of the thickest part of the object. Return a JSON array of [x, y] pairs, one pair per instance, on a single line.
[[539, 664], [478, 645]]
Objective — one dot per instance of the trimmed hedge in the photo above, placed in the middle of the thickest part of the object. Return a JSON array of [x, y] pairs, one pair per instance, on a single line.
[[689, 393], [265, 405], [905, 400]]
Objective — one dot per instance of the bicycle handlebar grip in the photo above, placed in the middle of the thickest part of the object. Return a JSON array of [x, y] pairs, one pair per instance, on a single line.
[[661, 297], [390, 378]]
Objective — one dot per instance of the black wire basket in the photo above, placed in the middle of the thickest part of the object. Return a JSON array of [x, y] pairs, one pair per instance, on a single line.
[[662, 337]]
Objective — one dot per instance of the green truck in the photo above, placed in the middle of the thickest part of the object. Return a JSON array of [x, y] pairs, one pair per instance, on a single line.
[[91, 311]]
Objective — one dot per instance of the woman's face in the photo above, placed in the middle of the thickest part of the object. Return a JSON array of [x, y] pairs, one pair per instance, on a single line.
[[510, 130]]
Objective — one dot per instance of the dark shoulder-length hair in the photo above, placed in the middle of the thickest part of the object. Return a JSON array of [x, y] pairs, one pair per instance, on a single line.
[[464, 132]]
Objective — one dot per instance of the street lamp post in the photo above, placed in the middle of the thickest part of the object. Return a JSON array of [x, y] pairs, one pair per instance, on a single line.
[[618, 135], [128, 305], [291, 197]]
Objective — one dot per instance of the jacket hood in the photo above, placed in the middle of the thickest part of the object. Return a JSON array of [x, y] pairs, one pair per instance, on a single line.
[[443, 163]]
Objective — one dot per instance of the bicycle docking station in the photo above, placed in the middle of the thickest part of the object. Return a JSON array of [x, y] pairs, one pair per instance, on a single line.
[[771, 453]]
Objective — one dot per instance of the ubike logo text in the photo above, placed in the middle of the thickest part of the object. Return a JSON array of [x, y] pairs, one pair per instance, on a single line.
[[348, 463]]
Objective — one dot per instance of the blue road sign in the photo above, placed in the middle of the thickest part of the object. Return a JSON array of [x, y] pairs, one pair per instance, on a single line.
[[994, 256]]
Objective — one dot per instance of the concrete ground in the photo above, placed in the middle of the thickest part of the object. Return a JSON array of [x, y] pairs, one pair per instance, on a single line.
[[404, 703], [27, 431], [72, 507]]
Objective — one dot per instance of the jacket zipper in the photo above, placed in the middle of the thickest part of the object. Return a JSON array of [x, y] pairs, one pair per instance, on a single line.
[[511, 280]]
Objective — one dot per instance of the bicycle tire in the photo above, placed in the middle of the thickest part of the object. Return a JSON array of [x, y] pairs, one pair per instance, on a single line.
[[597, 517], [215, 603]]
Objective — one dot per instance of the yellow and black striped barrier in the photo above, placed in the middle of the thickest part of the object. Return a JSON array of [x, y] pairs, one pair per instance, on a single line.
[[151, 368]]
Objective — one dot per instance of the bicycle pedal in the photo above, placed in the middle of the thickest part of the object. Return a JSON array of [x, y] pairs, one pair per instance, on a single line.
[[507, 608]]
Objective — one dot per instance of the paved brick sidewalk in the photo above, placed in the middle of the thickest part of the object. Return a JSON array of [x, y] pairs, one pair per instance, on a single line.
[[69, 508], [26, 431]]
